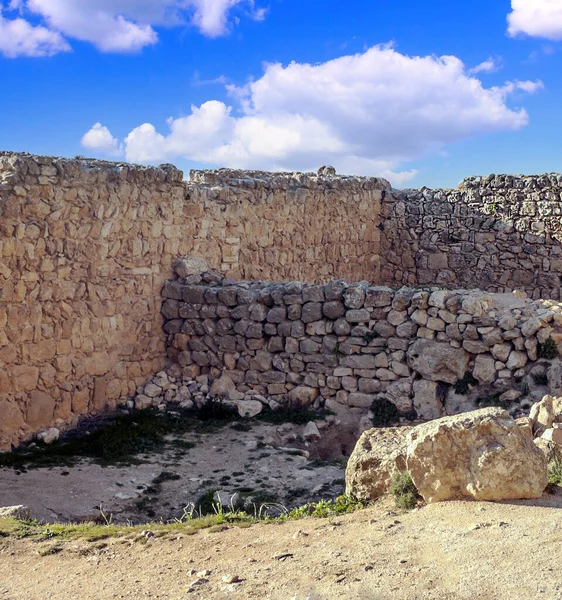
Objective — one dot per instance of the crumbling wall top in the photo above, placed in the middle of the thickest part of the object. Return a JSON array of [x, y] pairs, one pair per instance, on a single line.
[[15, 167], [281, 180]]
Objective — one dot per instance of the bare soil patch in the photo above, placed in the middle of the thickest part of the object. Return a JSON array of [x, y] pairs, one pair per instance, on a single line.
[[455, 550], [262, 463]]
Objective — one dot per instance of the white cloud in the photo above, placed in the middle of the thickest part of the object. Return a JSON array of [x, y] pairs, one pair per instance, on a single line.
[[99, 139], [488, 66], [20, 38], [117, 25], [367, 113], [530, 87], [537, 18]]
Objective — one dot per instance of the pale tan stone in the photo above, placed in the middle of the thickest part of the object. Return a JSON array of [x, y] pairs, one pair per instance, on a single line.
[[378, 455], [40, 410], [482, 455]]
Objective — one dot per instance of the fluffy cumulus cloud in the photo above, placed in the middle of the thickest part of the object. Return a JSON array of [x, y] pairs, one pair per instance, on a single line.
[[366, 113], [537, 18], [111, 25], [20, 38], [100, 140]]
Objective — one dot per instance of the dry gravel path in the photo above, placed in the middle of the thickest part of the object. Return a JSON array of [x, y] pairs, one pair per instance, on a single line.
[[456, 550]]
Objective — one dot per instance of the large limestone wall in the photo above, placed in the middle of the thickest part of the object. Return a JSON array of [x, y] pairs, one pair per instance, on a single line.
[[497, 233], [283, 226], [86, 245]]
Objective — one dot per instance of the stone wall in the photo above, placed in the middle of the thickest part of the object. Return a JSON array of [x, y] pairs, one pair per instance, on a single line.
[[497, 233], [282, 226], [86, 245], [348, 347]]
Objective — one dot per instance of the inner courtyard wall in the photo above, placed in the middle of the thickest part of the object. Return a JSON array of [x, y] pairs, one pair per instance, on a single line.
[[498, 233]]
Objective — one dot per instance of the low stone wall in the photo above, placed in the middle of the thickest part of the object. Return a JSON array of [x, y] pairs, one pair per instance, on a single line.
[[498, 233], [347, 346]]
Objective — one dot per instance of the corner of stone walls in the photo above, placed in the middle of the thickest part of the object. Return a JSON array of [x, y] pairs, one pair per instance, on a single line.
[[354, 348]]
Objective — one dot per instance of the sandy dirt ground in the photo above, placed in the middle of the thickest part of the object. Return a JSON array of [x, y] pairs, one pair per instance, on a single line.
[[455, 550], [227, 460]]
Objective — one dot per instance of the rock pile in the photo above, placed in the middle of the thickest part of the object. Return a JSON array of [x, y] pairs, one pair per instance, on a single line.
[[173, 388]]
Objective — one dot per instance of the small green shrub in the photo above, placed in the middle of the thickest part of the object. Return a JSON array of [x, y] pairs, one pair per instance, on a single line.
[[215, 409], [463, 385], [384, 412], [549, 349], [291, 412], [206, 504], [411, 415], [404, 491], [342, 505], [555, 472], [370, 336]]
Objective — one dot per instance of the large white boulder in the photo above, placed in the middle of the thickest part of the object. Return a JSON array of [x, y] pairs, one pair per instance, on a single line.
[[482, 455], [21, 513], [378, 455], [249, 408]]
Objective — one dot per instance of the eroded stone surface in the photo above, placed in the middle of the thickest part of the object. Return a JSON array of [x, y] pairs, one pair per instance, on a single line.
[[378, 455], [482, 455]]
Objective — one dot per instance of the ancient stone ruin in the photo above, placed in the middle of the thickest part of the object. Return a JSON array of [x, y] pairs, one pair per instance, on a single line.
[[91, 308]]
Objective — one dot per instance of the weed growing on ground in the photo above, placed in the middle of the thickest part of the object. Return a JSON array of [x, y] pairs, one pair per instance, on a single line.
[[190, 523], [404, 491], [555, 472], [291, 412]]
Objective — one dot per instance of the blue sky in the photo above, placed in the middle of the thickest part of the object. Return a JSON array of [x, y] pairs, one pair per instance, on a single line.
[[422, 92]]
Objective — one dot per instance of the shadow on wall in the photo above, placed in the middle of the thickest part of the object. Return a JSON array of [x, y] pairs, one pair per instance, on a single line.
[[497, 233]]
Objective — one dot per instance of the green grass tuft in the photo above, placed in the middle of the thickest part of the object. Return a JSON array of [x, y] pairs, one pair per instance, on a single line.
[[190, 523], [405, 493], [555, 472]]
